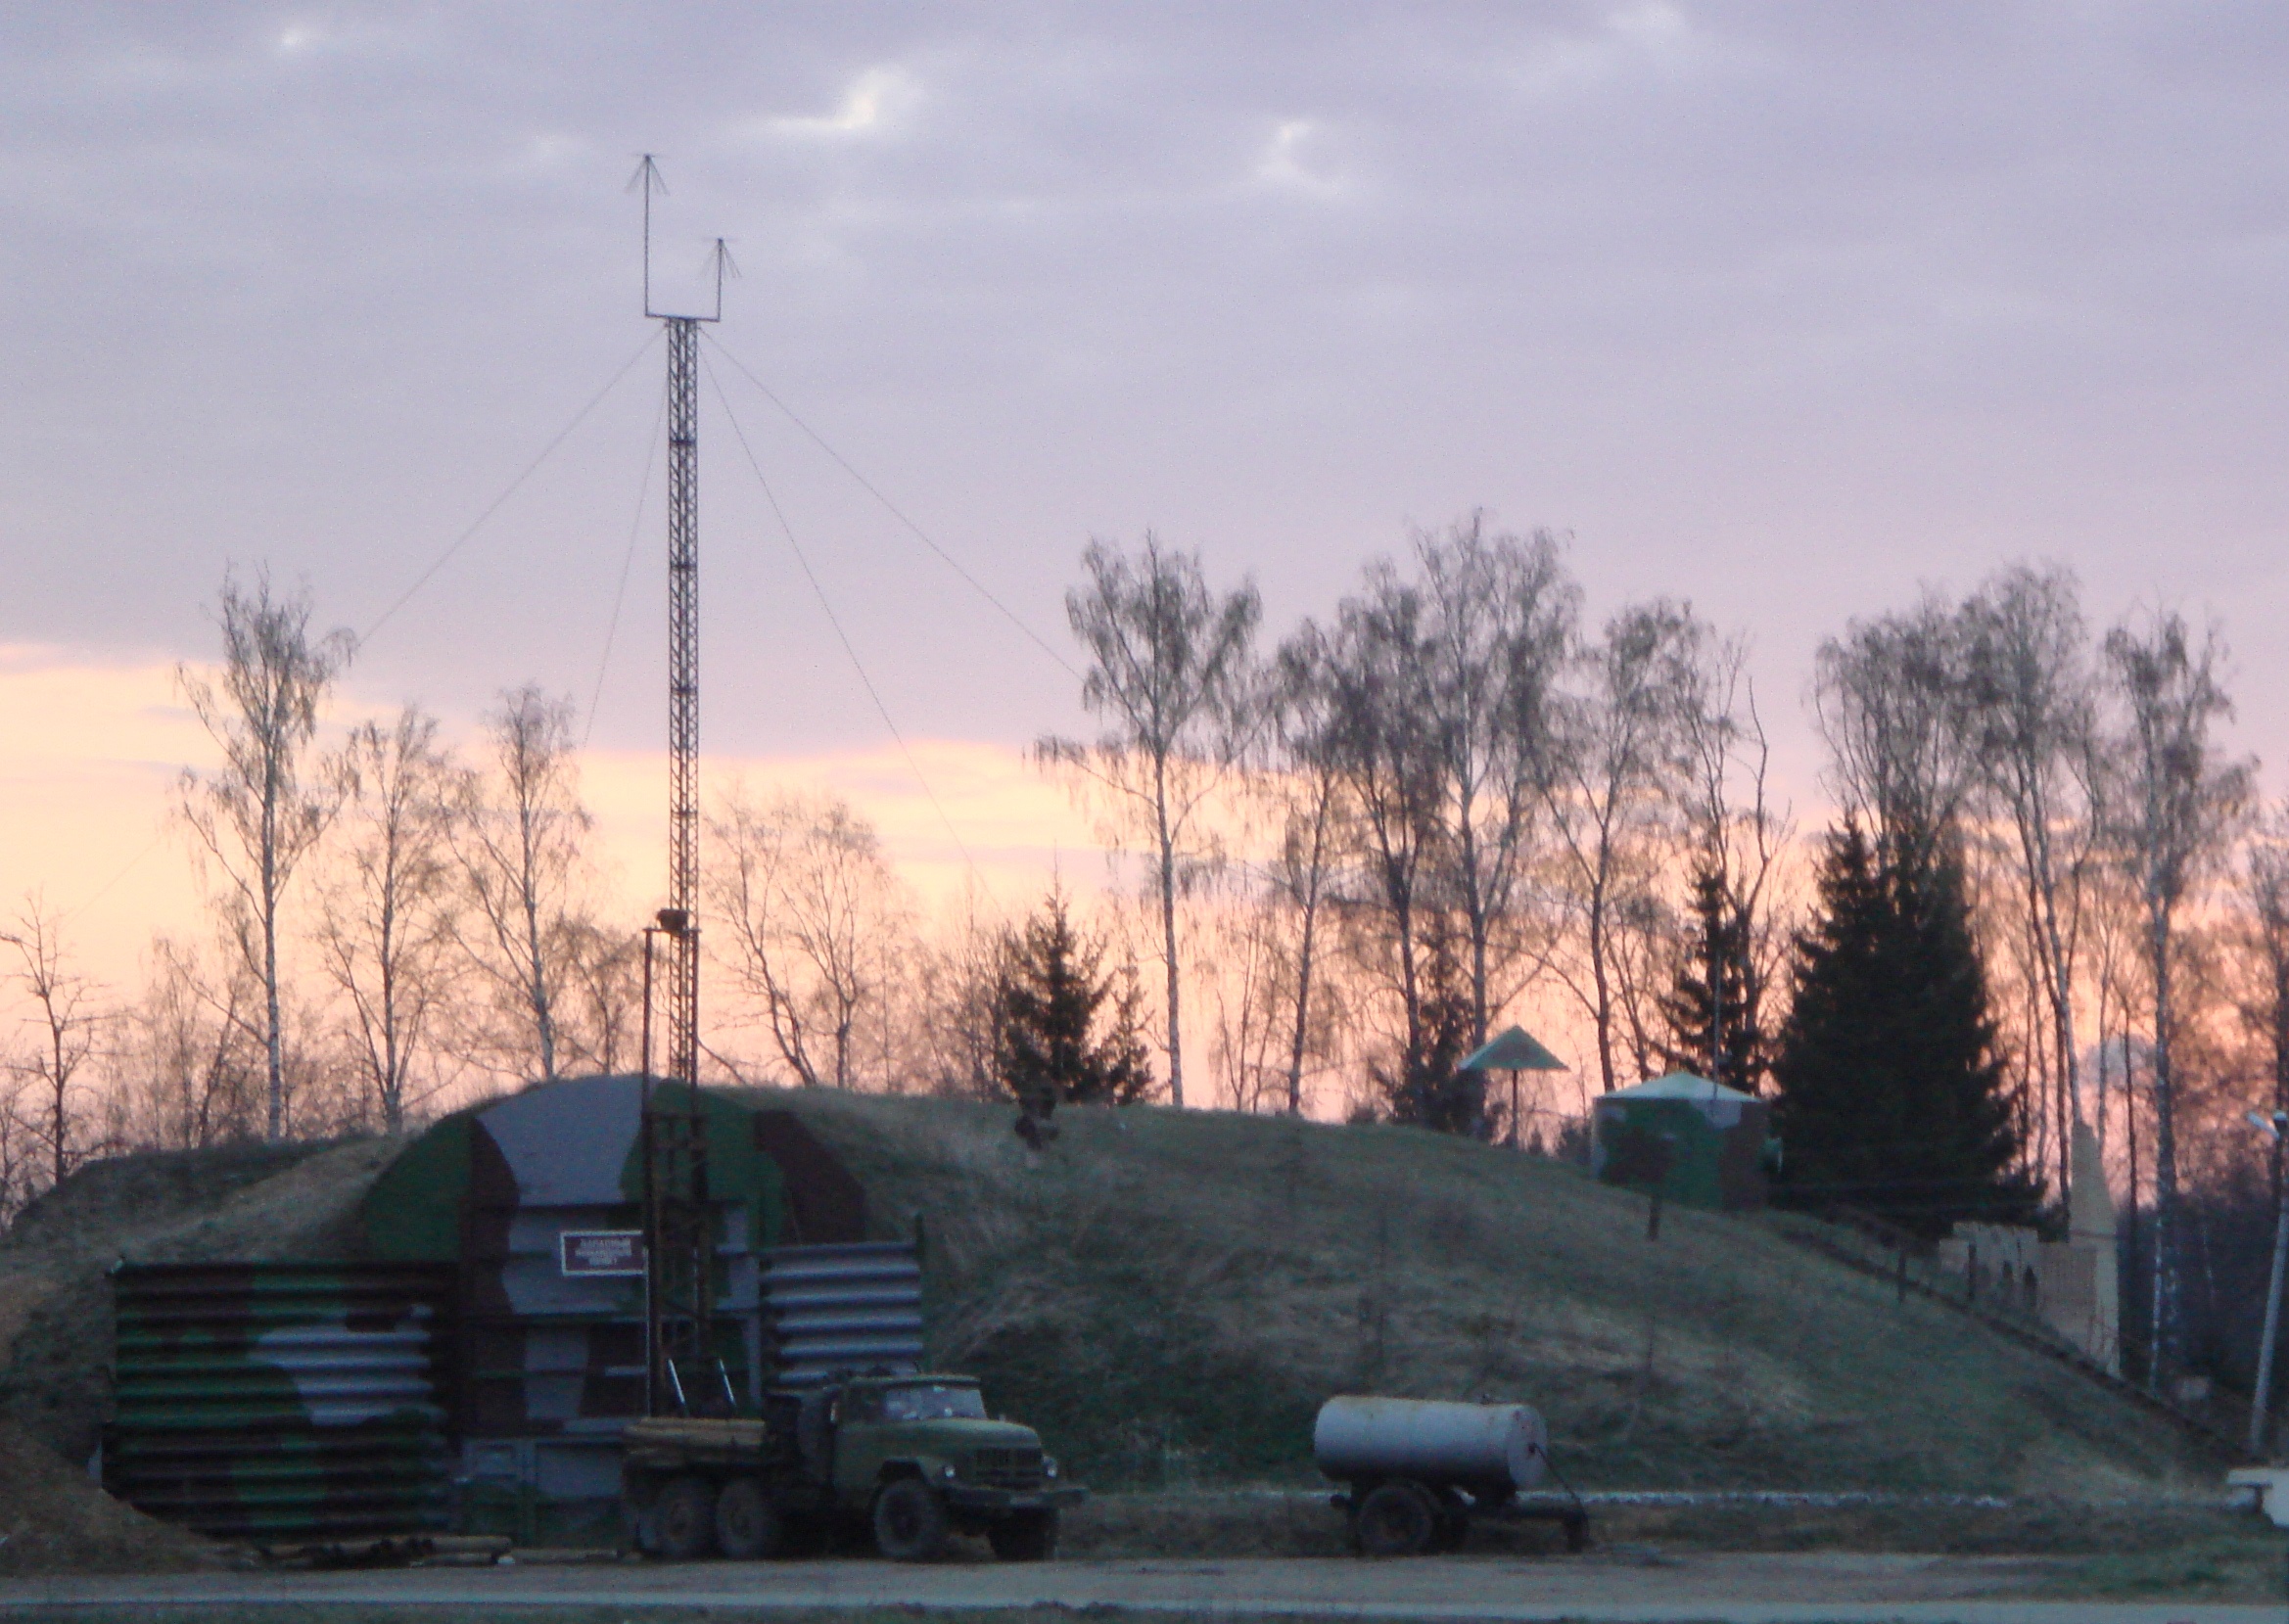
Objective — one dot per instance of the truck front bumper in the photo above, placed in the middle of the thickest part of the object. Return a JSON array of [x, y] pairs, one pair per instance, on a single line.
[[970, 1497]]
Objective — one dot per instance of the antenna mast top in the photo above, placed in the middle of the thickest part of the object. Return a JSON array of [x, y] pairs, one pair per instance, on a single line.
[[648, 178]]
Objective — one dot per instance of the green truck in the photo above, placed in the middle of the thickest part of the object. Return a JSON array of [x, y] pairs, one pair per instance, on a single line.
[[915, 1457]]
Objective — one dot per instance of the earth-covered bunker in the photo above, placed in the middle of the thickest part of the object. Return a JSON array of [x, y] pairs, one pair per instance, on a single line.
[[512, 1342]]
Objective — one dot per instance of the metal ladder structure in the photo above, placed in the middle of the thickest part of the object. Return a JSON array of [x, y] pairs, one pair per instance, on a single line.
[[683, 1373]]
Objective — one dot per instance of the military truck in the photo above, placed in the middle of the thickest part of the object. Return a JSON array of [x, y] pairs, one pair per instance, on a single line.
[[914, 1457]]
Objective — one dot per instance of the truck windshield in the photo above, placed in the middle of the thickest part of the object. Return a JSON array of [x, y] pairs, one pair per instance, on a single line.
[[933, 1401]]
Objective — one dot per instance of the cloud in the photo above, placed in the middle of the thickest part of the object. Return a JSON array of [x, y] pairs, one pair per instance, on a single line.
[[1625, 40], [1286, 161], [1784, 308], [873, 103]]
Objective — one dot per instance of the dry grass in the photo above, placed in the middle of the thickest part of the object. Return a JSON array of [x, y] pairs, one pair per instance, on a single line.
[[239, 1202], [54, 1520], [1170, 1295]]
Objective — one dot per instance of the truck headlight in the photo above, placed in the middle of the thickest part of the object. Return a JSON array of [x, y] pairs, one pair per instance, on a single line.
[[1049, 1466], [945, 1470]]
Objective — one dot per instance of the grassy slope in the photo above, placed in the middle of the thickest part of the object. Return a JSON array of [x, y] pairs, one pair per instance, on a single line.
[[1170, 1296], [220, 1205]]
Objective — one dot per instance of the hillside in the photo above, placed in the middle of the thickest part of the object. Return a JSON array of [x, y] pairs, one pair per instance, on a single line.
[[183, 1206], [1170, 1295]]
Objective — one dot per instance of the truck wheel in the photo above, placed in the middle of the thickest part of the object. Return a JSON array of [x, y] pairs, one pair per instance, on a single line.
[[1024, 1536], [1398, 1520], [683, 1518], [747, 1524], [910, 1522]]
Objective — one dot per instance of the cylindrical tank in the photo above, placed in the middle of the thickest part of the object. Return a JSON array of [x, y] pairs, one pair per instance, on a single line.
[[1487, 1444]]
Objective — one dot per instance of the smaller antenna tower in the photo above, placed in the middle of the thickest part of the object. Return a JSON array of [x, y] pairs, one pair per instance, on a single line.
[[678, 1223]]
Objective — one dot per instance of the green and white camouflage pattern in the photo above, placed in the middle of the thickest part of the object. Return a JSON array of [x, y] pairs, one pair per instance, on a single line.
[[493, 1397], [280, 1401]]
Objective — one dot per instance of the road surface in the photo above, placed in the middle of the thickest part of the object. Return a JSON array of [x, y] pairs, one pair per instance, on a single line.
[[1609, 1586]]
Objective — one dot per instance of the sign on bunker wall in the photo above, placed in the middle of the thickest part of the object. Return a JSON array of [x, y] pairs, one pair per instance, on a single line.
[[600, 1251]]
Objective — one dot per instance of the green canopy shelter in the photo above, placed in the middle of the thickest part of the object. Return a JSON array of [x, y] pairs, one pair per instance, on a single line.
[[1686, 1140], [1513, 1051]]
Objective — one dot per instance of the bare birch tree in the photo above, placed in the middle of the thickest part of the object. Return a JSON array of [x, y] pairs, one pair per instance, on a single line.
[[1624, 768], [2264, 952], [1305, 788], [193, 1068], [67, 1017], [1170, 675], [2034, 696], [20, 1177], [387, 906], [600, 994], [1391, 785], [817, 920], [2174, 807], [255, 817], [1734, 839], [1895, 703], [955, 983], [1498, 621], [517, 834], [1252, 965]]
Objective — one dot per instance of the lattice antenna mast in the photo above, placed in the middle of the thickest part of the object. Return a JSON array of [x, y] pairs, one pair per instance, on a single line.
[[679, 1220], [683, 643]]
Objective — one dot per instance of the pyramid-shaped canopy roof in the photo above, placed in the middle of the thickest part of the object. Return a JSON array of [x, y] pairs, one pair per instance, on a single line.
[[1513, 1051], [1682, 1085]]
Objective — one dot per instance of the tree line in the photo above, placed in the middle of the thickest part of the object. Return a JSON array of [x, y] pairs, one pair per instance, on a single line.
[[1343, 856]]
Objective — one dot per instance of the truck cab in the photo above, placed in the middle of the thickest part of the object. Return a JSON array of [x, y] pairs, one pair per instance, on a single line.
[[916, 1457]]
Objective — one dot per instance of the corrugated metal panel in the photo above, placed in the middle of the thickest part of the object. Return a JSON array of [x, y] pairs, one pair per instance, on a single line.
[[281, 1401], [546, 1353], [842, 1308]]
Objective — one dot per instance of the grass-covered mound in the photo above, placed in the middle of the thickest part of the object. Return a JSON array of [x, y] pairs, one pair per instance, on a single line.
[[233, 1203], [1170, 1295]]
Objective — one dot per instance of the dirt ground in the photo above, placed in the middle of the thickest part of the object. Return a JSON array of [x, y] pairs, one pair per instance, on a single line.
[[1610, 1584], [54, 1520]]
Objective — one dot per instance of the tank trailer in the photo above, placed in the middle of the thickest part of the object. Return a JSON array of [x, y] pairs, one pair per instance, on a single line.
[[1415, 1473], [914, 1457]]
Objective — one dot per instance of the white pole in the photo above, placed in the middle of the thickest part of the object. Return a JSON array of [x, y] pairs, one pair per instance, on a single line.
[[2264, 1389]]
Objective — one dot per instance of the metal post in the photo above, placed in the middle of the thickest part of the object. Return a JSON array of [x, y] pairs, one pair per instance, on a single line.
[[651, 1213], [2264, 1392], [2263, 1397]]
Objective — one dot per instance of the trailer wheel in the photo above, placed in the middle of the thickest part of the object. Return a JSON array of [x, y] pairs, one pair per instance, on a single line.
[[1397, 1519], [909, 1521], [747, 1524], [683, 1518], [1454, 1522]]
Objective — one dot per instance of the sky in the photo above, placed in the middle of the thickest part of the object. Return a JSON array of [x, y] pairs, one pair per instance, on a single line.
[[1789, 311]]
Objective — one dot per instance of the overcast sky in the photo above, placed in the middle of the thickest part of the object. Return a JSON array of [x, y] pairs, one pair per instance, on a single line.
[[1782, 308]]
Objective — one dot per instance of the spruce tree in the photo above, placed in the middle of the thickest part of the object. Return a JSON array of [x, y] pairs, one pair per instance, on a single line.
[[1892, 1089], [1425, 1088], [1065, 1030], [1714, 1009]]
